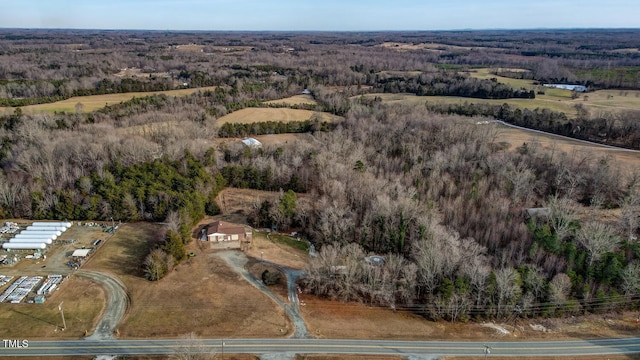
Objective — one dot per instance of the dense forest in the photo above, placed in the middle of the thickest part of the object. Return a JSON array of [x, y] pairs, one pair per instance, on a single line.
[[468, 227]]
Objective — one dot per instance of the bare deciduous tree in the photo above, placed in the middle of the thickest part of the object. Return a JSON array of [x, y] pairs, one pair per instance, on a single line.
[[598, 239], [630, 278], [192, 348]]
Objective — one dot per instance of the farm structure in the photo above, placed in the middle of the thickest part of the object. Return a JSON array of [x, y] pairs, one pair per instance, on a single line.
[[37, 236], [578, 88], [24, 246], [24, 285], [224, 235], [252, 143]]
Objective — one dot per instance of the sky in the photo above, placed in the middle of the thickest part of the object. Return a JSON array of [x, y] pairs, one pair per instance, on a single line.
[[323, 15]]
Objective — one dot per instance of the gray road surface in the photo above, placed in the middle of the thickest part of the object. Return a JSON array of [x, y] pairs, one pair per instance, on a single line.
[[412, 349], [117, 303]]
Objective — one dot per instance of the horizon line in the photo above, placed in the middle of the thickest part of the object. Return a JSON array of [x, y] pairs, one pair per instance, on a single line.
[[324, 31]]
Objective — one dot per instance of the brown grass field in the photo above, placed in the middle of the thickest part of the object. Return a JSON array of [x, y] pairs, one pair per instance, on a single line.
[[202, 295], [517, 137], [253, 115], [295, 100], [95, 102], [83, 300]]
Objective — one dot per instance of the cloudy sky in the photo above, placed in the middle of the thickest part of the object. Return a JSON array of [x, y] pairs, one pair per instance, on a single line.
[[351, 15]]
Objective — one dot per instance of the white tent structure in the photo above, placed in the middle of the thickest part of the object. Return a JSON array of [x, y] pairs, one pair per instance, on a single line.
[[46, 228], [35, 236], [52, 223], [27, 240], [252, 143], [24, 246], [44, 232]]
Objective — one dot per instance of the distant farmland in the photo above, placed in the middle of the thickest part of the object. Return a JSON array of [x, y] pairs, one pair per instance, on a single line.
[[95, 102], [253, 115]]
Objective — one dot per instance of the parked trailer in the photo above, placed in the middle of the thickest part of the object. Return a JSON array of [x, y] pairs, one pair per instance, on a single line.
[[24, 246], [52, 223], [46, 228], [27, 240], [43, 232], [35, 236]]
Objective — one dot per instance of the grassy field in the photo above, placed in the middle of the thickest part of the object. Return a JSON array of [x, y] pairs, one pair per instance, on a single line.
[[295, 100], [83, 300], [202, 295], [558, 99], [565, 107], [625, 160], [253, 115], [95, 102]]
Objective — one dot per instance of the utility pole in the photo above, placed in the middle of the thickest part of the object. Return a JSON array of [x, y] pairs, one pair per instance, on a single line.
[[222, 349], [487, 351], [64, 323], [517, 312]]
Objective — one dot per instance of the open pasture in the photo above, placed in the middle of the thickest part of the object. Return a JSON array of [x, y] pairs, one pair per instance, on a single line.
[[95, 102]]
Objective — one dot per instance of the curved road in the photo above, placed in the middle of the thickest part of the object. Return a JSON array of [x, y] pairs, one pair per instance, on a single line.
[[412, 349], [117, 303], [238, 261]]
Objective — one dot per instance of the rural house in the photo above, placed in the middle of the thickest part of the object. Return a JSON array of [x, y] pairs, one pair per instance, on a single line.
[[224, 235]]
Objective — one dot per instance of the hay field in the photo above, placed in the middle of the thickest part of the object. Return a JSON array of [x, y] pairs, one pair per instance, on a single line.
[[95, 102], [625, 160], [295, 100], [253, 115], [565, 107]]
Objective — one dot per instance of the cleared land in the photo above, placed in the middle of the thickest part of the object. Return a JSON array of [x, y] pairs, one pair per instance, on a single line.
[[253, 115], [609, 100], [295, 100], [95, 102], [202, 295], [626, 160], [83, 300]]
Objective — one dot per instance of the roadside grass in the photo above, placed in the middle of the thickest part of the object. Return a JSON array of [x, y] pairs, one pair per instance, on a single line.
[[83, 301], [295, 100], [253, 115], [95, 102], [202, 295]]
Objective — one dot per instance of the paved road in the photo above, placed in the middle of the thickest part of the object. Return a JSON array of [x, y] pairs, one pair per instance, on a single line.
[[117, 303], [413, 349]]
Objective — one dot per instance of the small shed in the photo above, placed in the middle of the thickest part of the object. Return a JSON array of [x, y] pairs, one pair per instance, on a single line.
[[252, 143], [81, 253]]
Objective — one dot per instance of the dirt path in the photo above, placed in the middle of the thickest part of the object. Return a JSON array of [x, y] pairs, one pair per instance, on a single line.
[[238, 261], [117, 303]]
